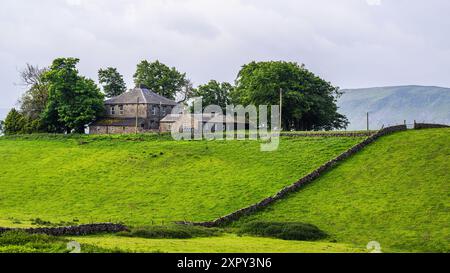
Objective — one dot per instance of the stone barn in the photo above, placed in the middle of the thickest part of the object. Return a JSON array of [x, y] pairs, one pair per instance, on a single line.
[[198, 122]]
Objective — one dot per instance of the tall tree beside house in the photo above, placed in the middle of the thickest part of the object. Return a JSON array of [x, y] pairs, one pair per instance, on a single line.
[[111, 81], [309, 102], [160, 78], [214, 93], [73, 101]]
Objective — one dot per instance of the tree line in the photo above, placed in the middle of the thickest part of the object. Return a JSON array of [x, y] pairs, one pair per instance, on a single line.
[[60, 100]]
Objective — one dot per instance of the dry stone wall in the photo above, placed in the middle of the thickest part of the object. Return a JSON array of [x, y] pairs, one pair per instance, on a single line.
[[72, 230], [429, 126], [304, 180]]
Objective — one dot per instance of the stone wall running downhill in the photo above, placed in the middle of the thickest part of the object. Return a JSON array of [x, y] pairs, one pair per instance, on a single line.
[[73, 230], [429, 126], [306, 179]]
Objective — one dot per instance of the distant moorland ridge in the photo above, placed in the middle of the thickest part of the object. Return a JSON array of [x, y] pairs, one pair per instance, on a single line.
[[394, 104]]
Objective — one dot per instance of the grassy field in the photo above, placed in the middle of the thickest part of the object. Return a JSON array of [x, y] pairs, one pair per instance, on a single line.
[[143, 179], [227, 243], [396, 191]]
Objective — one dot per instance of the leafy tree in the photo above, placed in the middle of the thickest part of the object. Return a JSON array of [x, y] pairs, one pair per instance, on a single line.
[[309, 102], [186, 92], [161, 79], [214, 93], [112, 82], [34, 100], [14, 123], [73, 101]]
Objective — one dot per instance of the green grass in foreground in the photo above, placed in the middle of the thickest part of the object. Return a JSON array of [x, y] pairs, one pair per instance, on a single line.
[[396, 191], [170, 232], [227, 243], [21, 242], [145, 178]]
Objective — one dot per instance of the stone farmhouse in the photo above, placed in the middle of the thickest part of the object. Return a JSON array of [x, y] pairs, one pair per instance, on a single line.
[[140, 110], [135, 111]]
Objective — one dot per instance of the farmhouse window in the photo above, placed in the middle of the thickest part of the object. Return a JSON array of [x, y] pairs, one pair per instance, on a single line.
[[120, 109], [113, 110], [163, 111], [154, 110]]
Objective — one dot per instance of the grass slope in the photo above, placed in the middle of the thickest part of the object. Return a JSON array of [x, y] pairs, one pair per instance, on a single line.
[[141, 179], [227, 243], [396, 191]]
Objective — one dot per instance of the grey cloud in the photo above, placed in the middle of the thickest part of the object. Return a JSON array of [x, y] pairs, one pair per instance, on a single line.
[[348, 42]]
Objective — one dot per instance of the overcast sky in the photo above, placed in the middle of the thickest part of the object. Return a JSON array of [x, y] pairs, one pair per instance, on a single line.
[[352, 43]]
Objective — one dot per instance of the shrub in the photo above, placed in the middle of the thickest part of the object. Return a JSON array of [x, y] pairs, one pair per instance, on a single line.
[[170, 231], [40, 222], [14, 123], [17, 241], [18, 237], [283, 230], [87, 248]]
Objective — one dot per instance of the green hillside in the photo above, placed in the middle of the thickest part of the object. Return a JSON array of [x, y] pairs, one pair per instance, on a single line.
[[394, 104], [395, 191], [137, 180]]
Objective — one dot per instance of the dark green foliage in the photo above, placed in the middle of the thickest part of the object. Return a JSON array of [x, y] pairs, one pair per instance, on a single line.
[[160, 78], [87, 248], [283, 230], [309, 102], [73, 100], [40, 222], [18, 123], [214, 93], [21, 238], [20, 241], [14, 123], [112, 82], [170, 231]]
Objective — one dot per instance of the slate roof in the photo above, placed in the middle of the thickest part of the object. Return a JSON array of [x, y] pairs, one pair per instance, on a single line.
[[145, 97], [171, 118]]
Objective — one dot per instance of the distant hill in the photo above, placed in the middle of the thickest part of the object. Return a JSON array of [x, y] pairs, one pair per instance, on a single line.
[[393, 105]]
